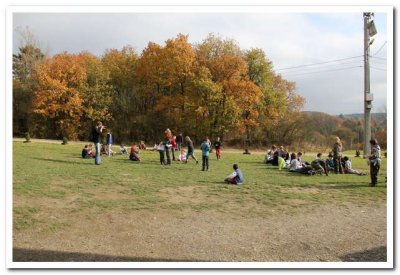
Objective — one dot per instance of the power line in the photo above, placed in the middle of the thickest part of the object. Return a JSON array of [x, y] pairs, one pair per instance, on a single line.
[[321, 67], [377, 57], [379, 49], [312, 64], [315, 72]]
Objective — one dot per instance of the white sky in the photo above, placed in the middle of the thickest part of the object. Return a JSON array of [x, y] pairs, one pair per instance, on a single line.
[[288, 39]]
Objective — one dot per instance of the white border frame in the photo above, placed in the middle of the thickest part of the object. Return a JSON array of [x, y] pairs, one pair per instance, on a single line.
[[234, 8]]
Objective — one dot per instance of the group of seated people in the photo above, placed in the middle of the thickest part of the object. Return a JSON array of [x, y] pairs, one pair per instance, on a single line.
[[88, 152], [294, 163]]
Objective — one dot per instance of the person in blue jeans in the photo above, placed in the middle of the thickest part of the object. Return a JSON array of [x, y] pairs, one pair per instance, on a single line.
[[205, 151], [109, 141], [96, 133]]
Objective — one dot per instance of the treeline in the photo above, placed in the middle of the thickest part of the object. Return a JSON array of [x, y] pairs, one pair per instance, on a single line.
[[320, 130], [212, 88]]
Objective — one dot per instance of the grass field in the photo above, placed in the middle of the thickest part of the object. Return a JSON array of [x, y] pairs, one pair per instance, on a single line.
[[50, 179]]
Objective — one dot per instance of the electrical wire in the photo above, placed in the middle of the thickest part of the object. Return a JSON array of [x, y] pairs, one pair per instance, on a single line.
[[318, 63], [377, 57], [379, 49]]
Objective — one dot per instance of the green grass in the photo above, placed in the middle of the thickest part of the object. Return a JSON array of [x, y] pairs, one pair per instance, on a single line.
[[48, 174]]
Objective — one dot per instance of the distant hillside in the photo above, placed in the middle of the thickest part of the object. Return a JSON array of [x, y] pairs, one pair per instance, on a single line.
[[375, 116]]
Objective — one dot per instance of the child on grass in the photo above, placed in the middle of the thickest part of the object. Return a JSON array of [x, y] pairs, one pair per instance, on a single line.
[[205, 152], [236, 177], [182, 156], [190, 152]]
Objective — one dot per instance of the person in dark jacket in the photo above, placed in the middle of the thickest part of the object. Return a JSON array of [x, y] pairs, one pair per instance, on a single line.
[[217, 146], [374, 161], [179, 142], [190, 152]]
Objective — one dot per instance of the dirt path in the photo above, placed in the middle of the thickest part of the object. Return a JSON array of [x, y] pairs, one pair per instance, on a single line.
[[327, 233]]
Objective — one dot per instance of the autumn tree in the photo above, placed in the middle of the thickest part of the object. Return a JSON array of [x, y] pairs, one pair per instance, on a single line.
[[237, 95], [126, 102], [24, 65], [71, 93]]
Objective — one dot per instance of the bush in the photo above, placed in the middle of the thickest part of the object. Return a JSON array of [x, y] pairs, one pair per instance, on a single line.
[[65, 141], [27, 137]]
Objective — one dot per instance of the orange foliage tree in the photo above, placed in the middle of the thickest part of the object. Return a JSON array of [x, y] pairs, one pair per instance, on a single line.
[[70, 91]]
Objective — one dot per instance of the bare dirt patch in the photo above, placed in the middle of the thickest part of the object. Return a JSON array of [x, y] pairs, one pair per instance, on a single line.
[[323, 233]]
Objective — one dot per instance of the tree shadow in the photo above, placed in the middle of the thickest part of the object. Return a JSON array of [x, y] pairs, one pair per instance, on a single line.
[[377, 254], [36, 255], [66, 161]]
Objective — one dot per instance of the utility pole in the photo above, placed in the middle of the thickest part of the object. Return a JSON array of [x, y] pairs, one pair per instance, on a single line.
[[369, 31]]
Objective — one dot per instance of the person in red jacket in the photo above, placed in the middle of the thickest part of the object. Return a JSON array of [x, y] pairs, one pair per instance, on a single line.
[[173, 147]]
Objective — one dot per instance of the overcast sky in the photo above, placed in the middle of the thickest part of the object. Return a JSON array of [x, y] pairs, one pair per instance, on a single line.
[[288, 39]]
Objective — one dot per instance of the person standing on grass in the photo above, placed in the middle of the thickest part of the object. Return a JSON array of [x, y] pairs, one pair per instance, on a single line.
[[96, 134], [167, 144], [374, 161], [217, 146], [337, 156], [161, 150], [109, 141], [236, 177], [205, 151], [179, 142], [190, 152], [173, 147]]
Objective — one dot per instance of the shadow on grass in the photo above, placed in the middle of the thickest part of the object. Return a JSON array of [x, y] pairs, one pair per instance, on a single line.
[[35, 255], [377, 254], [87, 161]]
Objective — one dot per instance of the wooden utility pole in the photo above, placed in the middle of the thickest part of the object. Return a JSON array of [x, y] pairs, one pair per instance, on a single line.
[[369, 31]]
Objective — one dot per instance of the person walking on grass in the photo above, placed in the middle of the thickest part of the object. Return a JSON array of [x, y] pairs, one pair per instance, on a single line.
[[374, 161], [205, 151], [96, 134], [217, 146], [190, 152]]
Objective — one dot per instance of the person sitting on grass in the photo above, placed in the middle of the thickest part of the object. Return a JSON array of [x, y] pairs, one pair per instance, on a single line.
[[134, 155], [91, 151], [270, 154], [142, 145], [85, 152], [274, 160], [329, 163], [122, 149], [182, 156], [296, 165], [349, 170], [283, 163], [319, 165], [236, 177], [103, 150]]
